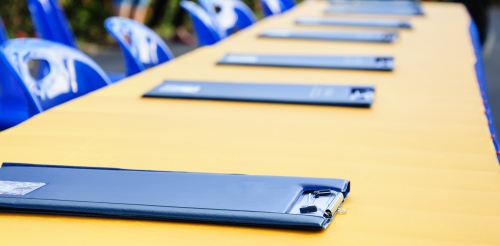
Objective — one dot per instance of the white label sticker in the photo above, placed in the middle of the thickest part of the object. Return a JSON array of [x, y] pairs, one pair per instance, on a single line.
[[279, 33], [180, 88], [318, 91], [242, 59], [18, 188]]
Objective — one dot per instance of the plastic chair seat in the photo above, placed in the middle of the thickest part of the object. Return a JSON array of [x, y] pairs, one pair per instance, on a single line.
[[115, 77]]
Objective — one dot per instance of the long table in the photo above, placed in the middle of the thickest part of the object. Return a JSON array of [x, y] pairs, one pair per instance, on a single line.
[[421, 161]]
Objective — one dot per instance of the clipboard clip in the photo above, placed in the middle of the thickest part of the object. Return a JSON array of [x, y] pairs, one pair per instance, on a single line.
[[361, 94], [321, 202], [384, 61], [319, 193], [309, 206]]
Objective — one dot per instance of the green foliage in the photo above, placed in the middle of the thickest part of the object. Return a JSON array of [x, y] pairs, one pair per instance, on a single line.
[[16, 18], [87, 17]]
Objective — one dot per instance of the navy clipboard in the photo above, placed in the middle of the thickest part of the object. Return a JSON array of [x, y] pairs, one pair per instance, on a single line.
[[379, 23], [338, 95], [378, 3], [376, 8], [289, 202], [357, 36], [377, 63]]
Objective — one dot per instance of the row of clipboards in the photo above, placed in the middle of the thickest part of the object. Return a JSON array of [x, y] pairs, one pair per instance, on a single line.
[[287, 202], [338, 95]]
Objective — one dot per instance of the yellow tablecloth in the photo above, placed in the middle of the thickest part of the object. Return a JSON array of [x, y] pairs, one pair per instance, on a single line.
[[421, 161]]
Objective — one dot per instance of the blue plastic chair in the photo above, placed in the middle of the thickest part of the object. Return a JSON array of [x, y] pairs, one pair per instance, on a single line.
[[3, 32], [234, 15], [51, 23], [272, 7], [12, 103], [207, 31], [141, 47], [71, 74], [288, 4]]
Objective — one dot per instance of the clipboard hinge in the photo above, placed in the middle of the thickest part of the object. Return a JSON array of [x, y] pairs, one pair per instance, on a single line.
[[324, 202]]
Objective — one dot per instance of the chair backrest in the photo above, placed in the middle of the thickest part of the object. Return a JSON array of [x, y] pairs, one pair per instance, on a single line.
[[272, 7], [141, 47], [14, 107], [3, 32], [233, 15], [287, 4], [70, 73], [207, 31], [50, 22]]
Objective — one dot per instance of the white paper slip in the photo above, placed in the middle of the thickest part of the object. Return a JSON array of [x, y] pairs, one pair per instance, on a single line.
[[16, 188]]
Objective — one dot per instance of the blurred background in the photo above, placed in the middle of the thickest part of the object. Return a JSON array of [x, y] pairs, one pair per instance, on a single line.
[[87, 17]]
